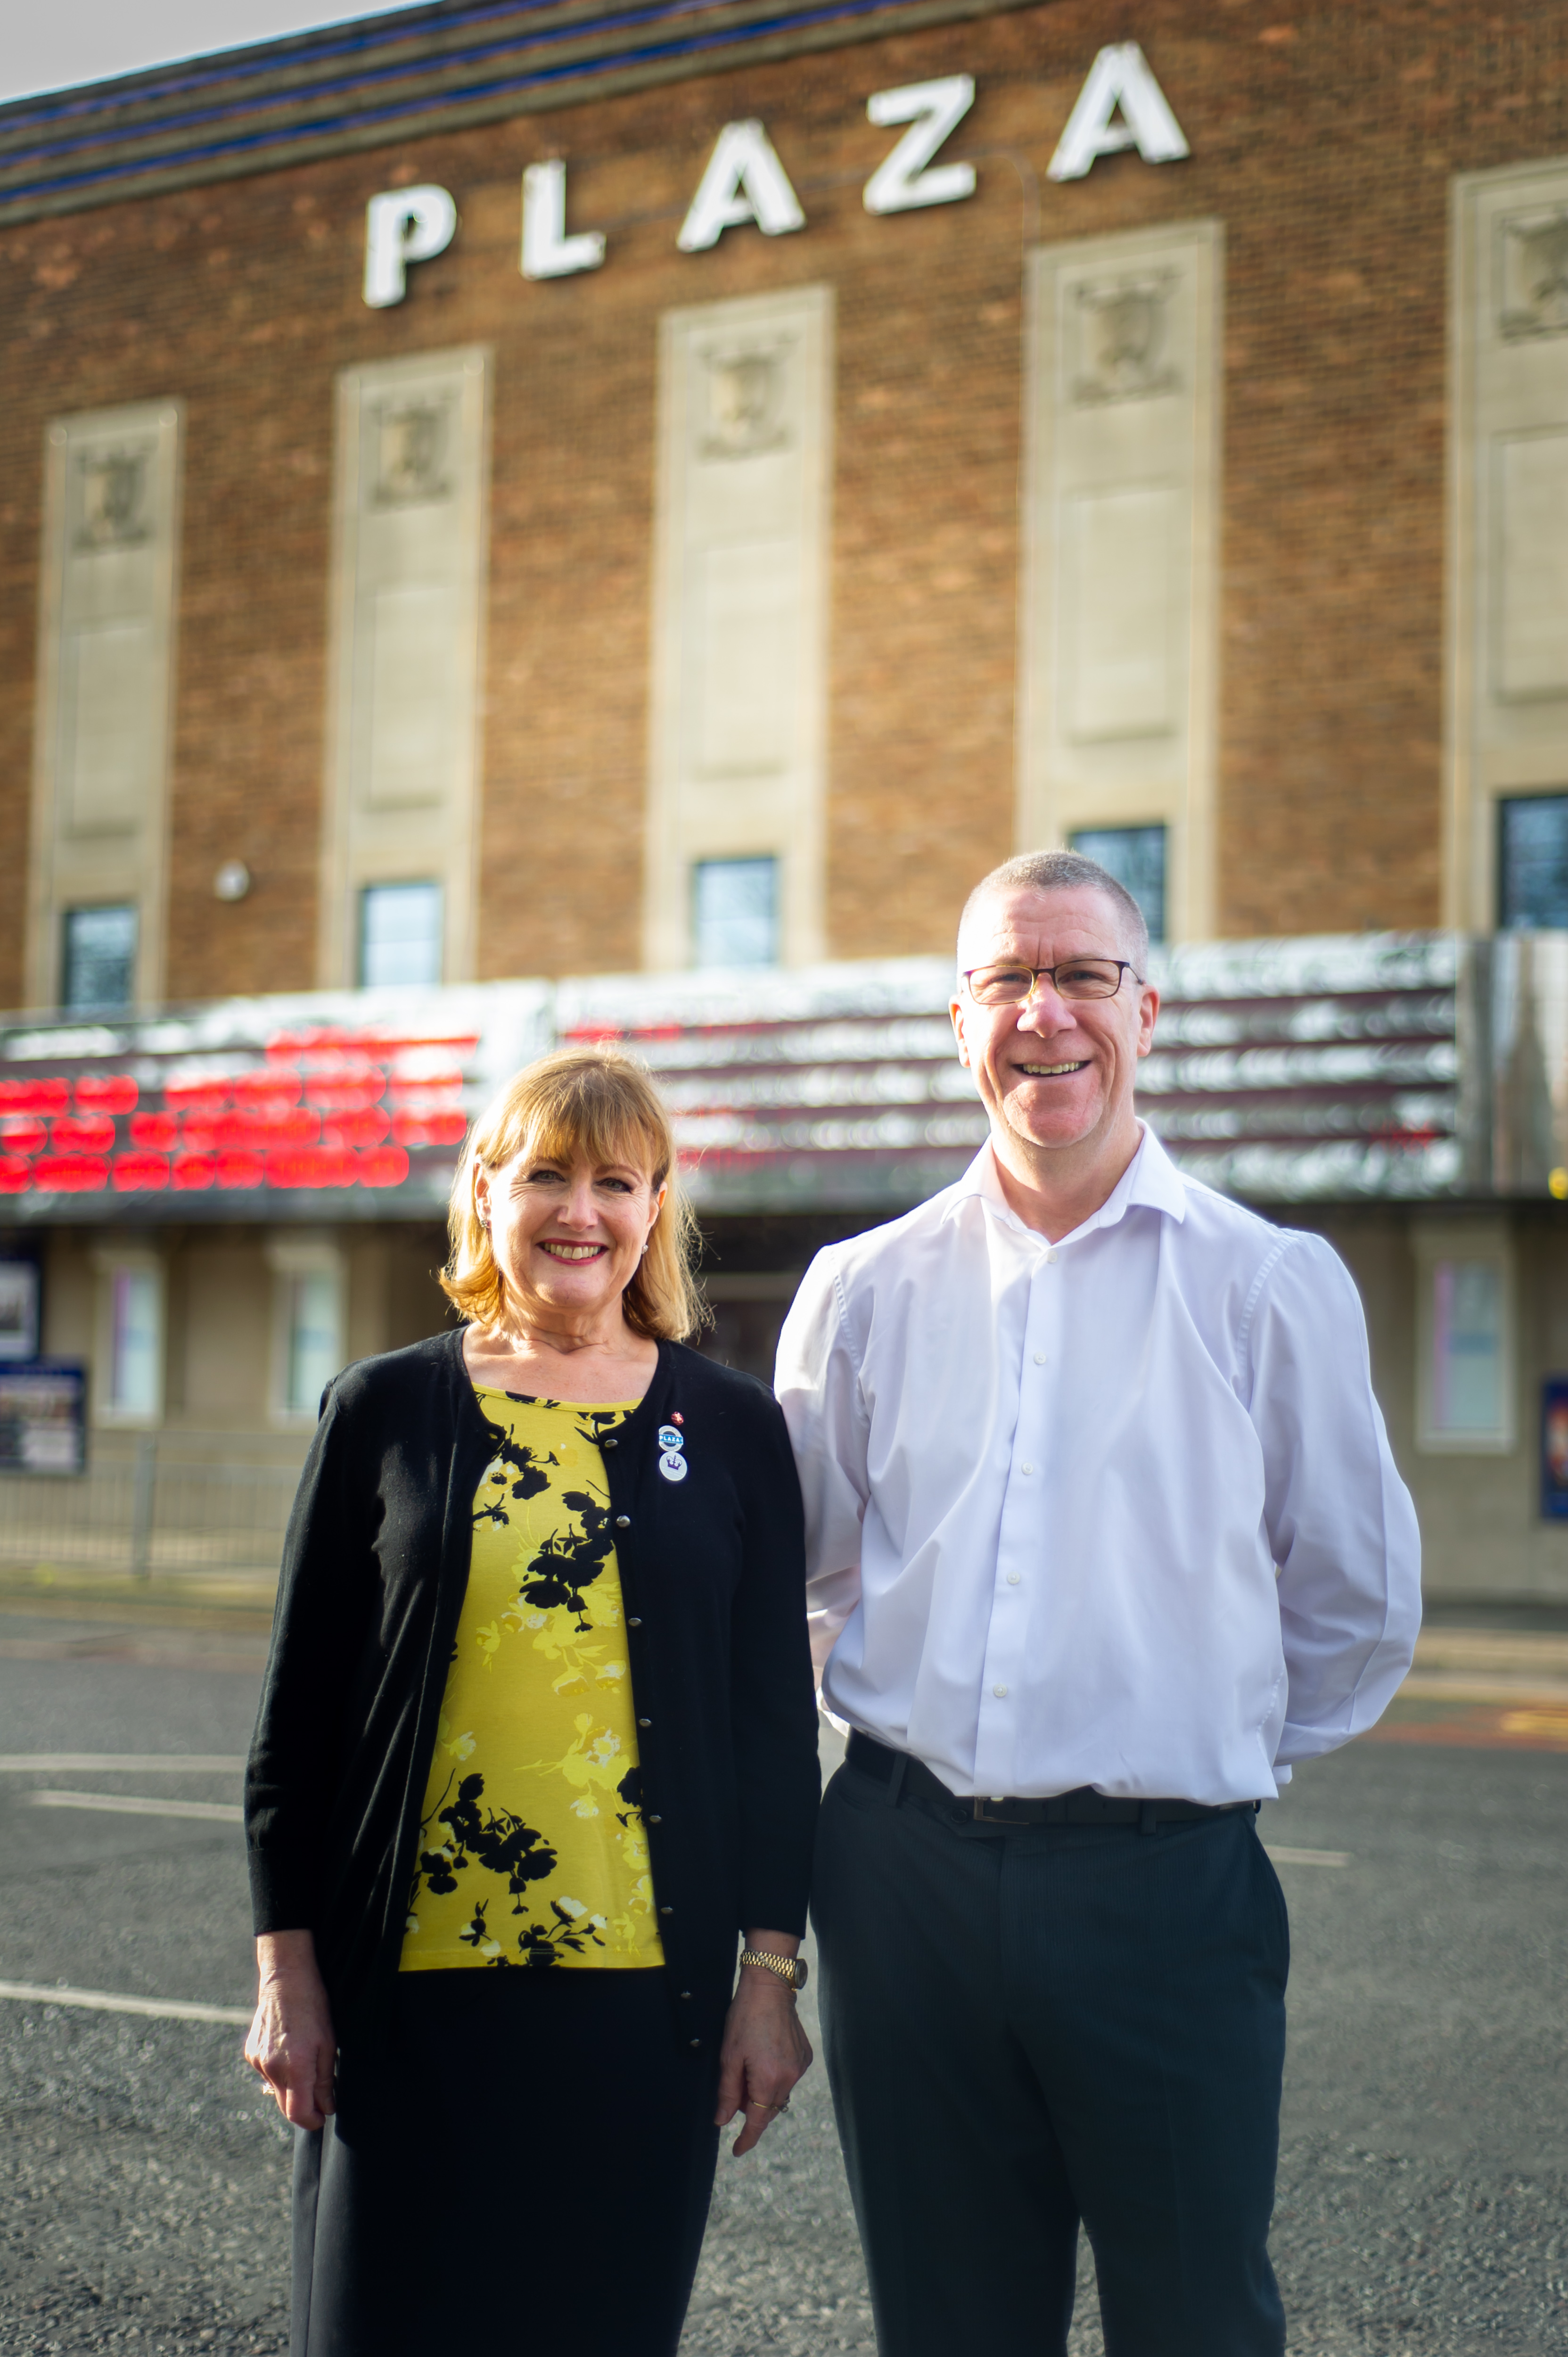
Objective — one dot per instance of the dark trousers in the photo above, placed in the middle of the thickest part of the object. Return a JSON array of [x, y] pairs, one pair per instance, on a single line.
[[528, 2167], [1029, 2029]]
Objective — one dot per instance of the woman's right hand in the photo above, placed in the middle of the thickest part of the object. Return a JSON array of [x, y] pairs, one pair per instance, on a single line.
[[292, 2044]]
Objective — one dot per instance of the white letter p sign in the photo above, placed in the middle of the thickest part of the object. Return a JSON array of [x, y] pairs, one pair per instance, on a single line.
[[403, 226]]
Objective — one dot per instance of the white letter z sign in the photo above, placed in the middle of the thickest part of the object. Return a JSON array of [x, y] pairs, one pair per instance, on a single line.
[[1119, 77], [933, 110]]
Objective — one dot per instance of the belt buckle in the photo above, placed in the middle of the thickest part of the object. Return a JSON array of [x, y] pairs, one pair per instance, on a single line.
[[983, 1816]]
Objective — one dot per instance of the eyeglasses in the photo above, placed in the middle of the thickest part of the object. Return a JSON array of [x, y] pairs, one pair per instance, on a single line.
[[1015, 985]]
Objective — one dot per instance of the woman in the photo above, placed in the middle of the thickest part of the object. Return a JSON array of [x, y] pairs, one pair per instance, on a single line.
[[537, 1739]]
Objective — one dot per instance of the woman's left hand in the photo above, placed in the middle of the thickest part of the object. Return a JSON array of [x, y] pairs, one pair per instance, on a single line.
[[765, 2051]]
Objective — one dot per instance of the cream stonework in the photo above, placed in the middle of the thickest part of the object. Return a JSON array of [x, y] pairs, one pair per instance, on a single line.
[[737, 749], [411, 526], [106, 650], [1508, 559], [1120, 602]]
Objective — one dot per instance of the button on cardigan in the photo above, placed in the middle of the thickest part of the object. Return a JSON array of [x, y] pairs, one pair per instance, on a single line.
[[375, 1565]]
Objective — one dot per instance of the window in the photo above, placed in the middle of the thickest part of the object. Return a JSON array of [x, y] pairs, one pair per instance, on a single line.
[[1532, 863], [400, 934], [1467, 1346], [735, 912], [307, 1323], [18, 1309], [128, 1357], [135, 1337], [99, 965], [1464, 1380], [314, 1343], [1135, 855]]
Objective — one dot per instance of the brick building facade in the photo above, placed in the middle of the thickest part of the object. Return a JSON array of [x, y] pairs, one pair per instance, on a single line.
[[1189, 477]]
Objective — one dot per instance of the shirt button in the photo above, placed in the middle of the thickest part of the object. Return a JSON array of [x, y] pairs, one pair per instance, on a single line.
[[667, 1910], [1040, 1358], [999, 1692], [623, 1522], [1013, 1578], [656, 1821], [634, 1622], [645, 1722], [1025, 1468], [1050, 1255], [686, 1996], [696, 2041], [607, 1444]]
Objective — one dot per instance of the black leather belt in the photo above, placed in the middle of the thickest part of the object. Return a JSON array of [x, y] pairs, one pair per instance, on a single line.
[[1083, 1807]]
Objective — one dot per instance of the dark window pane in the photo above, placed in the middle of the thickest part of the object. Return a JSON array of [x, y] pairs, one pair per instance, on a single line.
[[400, 934], [100, 963], [1135, 855], [1532, 863], [735, 911]]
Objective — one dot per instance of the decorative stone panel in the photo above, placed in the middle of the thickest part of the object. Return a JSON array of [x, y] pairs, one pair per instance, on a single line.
[[1120, 606], [745, 444], [106, 648], [1507, 550], [408, 628]]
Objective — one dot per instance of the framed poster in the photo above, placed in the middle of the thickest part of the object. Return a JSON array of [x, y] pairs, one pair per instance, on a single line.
[[18, 1310], [1555, 1448], [43, 1418]]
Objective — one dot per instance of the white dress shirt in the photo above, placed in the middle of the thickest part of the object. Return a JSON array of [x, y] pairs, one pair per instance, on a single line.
[[1119, 1511]]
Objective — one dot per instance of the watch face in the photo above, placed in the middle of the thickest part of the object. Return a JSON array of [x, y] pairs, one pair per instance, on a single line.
[[802, 1970]]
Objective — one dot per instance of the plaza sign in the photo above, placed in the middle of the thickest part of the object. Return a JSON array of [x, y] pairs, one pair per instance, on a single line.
[[1121, 106]]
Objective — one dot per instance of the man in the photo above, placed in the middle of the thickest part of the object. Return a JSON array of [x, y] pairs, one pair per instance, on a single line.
[[1104, 1536]]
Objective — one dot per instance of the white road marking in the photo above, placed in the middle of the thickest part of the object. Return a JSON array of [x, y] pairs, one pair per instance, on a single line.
[[1307, 1856], [102, 2001], [133, 1804], [73, 1763]]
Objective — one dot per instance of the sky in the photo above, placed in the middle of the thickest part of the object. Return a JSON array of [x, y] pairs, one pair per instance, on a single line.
[[85, 41]]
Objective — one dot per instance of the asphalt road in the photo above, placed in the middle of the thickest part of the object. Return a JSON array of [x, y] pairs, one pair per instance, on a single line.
[[1424, 2189]]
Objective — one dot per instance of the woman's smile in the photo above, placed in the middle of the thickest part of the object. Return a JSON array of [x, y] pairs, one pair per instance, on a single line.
[[559, 1248]]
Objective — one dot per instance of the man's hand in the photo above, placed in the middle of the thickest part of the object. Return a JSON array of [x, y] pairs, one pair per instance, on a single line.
[[765, 2049], [292, 2044]]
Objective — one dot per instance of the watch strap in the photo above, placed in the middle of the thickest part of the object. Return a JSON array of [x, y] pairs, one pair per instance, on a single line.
[[784, 1968]]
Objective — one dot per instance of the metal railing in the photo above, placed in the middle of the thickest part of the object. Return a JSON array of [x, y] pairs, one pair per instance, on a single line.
[[148, 1518]]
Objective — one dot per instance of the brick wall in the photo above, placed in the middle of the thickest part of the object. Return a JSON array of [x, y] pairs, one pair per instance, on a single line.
[[1324, 138]]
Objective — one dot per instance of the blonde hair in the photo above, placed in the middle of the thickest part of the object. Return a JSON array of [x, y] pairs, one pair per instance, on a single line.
[[600, 1102]]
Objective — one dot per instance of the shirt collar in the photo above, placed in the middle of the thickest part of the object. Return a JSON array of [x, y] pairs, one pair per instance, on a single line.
[[1150, 1181]]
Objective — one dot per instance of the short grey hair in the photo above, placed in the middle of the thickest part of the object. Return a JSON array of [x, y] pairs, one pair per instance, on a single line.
[[1067, 871]]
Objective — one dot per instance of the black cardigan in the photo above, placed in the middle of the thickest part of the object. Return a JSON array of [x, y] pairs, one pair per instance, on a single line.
[[374, 1570]]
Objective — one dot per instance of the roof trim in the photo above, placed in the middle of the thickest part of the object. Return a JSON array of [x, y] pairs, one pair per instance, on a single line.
[[280, 104]]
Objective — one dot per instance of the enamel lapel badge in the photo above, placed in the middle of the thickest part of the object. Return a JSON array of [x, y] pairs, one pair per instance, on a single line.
[[672, 1463]]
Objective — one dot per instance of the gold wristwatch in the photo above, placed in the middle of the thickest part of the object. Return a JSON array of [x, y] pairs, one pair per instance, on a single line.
[[785, 1968]]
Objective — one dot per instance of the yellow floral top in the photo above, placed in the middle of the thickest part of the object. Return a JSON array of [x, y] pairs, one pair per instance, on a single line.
[[532, 1846]]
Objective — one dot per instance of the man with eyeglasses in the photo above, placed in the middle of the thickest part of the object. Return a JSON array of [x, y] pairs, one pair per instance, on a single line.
[[1104, 1536]]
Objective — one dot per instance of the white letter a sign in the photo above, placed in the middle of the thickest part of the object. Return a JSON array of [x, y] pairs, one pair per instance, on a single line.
[[1119, 78], [744, 181]]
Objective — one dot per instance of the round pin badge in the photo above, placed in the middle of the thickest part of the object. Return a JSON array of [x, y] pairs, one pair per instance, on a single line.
[[670, 1438], [673, 1464]]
